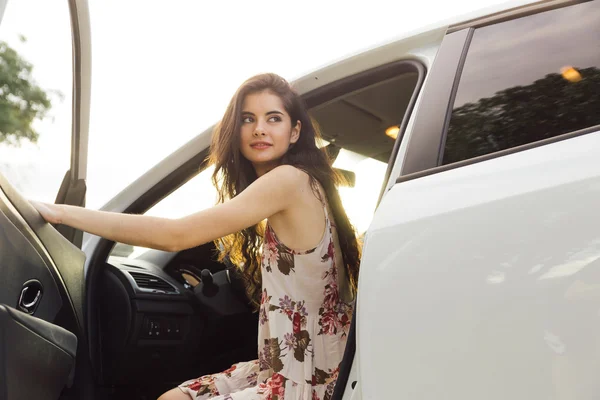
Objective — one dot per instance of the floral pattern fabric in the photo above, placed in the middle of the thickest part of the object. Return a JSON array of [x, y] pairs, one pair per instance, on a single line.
[[304, 318]]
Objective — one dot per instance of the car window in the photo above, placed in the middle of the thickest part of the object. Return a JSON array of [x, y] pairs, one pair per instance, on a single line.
[[35, 111], [527, 80]]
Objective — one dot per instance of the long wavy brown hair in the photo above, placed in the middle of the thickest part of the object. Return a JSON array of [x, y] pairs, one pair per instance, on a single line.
[[233, 173]]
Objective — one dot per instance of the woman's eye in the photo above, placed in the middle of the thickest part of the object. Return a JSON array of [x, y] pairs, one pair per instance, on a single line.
[[246, 120], [275, 118]]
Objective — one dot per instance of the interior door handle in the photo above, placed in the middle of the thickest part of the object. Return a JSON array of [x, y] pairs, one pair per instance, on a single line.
[[30, 297]]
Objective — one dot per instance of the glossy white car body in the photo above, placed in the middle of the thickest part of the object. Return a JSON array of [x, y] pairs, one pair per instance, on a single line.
[[473, 272]]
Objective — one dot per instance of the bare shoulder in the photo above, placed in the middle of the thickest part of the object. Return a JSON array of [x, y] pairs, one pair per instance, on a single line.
[[288, 175], [290, 183]]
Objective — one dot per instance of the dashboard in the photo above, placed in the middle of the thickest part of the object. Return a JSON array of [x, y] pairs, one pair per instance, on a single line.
[[154, 326]]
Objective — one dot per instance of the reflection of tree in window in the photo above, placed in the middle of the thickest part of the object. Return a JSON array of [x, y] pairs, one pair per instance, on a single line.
[[549, 107]]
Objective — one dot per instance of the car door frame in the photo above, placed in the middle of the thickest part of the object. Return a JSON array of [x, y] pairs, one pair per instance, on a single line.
[[184, 163], [73, 188]]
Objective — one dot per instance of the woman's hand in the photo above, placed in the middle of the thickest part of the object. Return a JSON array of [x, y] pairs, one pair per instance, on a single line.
[[50, 212]]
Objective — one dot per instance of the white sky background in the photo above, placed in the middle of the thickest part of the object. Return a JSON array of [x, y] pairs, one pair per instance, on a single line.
[[164, 71]]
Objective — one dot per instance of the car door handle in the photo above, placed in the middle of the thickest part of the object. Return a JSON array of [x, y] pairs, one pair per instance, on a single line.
[[30, 297]]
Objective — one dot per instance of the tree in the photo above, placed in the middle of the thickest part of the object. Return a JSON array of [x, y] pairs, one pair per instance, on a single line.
[[21, 100], [549, 107]]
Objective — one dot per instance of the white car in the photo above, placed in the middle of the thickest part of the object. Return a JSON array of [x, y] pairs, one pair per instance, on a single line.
[[475, 147]]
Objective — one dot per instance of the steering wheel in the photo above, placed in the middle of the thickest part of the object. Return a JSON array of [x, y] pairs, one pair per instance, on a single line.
[[221, 293]]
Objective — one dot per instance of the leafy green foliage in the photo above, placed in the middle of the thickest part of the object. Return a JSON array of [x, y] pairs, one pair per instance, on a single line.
[[21, 100]]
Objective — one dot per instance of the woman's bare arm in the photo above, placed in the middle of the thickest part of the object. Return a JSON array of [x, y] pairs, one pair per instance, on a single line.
[[268, 195]]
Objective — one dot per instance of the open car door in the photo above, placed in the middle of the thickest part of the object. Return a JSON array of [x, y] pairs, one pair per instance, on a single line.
[[41, 271]]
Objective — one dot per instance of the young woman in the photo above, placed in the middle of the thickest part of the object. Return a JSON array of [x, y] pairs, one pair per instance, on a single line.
[[281, 221]]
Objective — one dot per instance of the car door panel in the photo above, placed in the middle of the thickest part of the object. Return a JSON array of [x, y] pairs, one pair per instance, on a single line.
[[61, 258], [494, 268], [36, 357], [41, 347], [20, 263]]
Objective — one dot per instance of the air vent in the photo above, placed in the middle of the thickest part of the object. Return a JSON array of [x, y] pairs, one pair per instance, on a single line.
[[151, 282], [132, 266]]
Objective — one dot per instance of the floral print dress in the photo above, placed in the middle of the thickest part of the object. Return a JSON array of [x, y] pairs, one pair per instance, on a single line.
[[304, 318]]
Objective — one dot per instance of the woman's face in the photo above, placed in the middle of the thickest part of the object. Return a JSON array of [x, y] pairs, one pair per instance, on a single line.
[[267, 131]]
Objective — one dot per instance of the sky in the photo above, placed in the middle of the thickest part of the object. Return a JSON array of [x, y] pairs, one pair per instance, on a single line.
[[162, 72]]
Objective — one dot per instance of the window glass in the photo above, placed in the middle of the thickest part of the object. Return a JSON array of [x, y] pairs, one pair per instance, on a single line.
[[35, 110], [527, 80]]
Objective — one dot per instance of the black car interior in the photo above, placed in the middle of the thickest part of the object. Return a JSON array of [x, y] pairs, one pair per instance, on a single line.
[[41, 275], [157, 330], [34, 347]]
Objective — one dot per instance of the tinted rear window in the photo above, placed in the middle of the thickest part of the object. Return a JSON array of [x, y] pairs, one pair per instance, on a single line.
[[527, 80]]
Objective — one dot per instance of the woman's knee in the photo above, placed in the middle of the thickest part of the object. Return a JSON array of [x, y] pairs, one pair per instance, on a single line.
[[174, 394]]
